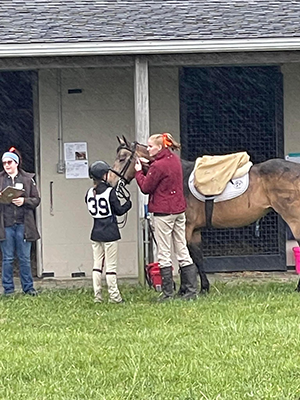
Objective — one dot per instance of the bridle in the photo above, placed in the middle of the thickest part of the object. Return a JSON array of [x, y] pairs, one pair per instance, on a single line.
[[123, 171], [121, 190]]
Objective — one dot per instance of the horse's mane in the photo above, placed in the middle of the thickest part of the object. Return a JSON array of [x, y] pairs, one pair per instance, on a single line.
[[278, 166], [187, 168]]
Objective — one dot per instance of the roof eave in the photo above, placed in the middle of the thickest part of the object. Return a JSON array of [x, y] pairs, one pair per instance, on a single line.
[[148, 47]]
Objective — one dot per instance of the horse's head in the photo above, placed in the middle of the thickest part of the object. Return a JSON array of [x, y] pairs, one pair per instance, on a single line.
[[123, 167]]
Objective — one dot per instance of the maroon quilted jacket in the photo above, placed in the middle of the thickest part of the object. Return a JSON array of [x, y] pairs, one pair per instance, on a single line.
[[164, 184]]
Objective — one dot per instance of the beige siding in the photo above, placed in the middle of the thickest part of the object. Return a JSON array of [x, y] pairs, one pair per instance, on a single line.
[[291, 90], [103, 110], [291, 79]]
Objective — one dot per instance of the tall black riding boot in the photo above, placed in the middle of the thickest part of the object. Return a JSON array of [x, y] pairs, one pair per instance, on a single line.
[[182, 288], [167, 283], [189, 281]]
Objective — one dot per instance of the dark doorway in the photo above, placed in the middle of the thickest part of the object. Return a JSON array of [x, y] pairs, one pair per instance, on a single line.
[[17, 121], [228, 109]]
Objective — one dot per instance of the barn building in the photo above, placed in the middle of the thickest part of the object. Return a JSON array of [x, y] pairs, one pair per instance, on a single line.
[[221, 76]]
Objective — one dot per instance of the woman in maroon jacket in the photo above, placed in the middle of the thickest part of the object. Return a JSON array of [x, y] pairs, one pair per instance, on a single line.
[[164, 184]]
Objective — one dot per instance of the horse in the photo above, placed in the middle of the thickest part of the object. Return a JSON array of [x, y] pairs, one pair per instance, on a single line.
[[273, 185]]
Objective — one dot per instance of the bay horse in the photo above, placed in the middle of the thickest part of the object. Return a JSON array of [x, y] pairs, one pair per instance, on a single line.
[[273, 185]]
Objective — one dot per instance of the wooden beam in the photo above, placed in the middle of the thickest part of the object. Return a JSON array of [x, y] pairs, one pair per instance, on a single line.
[[142, 128]]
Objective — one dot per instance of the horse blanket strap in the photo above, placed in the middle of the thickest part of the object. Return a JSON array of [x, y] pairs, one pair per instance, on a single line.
[[209, 207], [236, 187], [97, 270], [212, 173]]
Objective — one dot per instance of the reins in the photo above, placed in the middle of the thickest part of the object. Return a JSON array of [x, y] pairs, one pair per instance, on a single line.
[[122, 193]]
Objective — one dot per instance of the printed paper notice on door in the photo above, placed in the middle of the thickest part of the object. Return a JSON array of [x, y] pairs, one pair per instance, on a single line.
[[76, 160]]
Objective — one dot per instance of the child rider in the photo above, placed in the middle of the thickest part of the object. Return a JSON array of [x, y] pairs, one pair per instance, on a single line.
[[104, 205]]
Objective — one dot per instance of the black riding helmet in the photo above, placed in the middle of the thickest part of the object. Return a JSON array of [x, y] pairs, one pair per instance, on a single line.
[[98, 169]]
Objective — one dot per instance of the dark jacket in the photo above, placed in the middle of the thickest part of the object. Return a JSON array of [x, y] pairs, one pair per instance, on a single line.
[[164, 184], [32, 200], [104, 205]]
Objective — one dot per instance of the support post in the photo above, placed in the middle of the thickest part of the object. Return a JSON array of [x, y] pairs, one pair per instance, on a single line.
[[142, 128]]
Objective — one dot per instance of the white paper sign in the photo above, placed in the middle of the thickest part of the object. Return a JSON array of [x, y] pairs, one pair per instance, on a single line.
[[76, 159]]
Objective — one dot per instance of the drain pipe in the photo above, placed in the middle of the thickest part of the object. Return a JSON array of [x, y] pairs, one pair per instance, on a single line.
[[61, 163]]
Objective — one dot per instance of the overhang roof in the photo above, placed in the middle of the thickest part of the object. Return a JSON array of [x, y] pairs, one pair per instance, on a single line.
[[81, 27]]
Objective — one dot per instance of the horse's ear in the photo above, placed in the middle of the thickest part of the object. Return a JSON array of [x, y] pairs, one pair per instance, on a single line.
[[126, 141], [121, 141]]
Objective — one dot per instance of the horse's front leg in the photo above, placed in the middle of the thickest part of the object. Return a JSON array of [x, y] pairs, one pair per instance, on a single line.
[[195, 248]]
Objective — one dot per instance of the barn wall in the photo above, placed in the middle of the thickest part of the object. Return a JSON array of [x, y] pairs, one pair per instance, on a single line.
[[291, 81], [103, 110], [164, 101]]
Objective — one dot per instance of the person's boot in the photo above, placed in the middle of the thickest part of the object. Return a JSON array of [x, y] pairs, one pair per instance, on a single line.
[[97, 284], [189, 281], [112, 287], [167, 284], [182, 288]]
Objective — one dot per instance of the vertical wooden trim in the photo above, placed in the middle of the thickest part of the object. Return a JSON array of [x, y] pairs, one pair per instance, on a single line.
[[142, 123]]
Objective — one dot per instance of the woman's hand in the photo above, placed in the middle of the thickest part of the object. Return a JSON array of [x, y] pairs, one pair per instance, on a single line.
[[18, 201], [138, 165]]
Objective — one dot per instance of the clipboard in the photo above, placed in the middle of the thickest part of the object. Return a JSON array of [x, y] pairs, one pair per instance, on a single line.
[[10, 193]]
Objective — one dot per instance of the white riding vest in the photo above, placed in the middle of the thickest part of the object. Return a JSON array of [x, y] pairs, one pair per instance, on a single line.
[[98, 204]]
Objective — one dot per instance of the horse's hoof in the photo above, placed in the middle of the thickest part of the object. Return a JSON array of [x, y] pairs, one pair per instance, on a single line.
[[204, 291], [297, 289]]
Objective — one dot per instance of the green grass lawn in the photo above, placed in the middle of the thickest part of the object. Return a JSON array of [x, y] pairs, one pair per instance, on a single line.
[[239, 342]]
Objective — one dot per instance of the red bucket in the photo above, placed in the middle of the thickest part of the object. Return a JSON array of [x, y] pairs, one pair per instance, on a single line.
[[154, 276], [296, 251]]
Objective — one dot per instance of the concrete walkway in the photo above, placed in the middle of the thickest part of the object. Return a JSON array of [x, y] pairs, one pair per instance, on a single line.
[[254, 277]]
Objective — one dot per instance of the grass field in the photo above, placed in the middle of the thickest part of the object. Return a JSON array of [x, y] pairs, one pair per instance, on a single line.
[[240, 342]]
